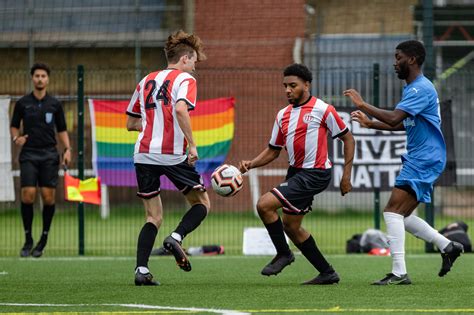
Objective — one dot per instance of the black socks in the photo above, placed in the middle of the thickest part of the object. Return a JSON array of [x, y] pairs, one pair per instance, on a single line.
[[311, 251], [146, 239], [48, 213], [27, 218], [275, 230], [191, 220]]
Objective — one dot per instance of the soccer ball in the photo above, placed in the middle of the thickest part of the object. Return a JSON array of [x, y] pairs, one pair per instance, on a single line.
[[227, 180]]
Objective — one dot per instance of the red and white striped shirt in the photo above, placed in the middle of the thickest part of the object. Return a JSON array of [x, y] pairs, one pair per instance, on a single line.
[[161, 141], [303, 131]]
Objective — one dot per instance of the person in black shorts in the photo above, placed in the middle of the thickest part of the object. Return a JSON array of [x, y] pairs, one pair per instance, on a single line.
[[42, 116], [159, 109], [301, 128]]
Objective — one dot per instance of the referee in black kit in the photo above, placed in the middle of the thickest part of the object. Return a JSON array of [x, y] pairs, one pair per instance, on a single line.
[[42, 116]]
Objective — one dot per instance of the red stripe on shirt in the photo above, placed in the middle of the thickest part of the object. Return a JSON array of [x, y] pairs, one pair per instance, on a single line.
[[185, 145], [150, 118], [136, 105], [192, 90], [322, 149], [338, 119], [299, 142], [167, 146]]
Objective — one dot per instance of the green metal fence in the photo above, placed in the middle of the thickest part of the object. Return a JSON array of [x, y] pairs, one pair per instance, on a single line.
[[333, 220]]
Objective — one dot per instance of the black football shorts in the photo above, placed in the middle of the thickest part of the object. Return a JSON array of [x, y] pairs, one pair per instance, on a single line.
[[182, 175], [300, 186], [39, 167]]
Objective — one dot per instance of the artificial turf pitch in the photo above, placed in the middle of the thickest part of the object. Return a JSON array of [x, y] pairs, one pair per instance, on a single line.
[[231, 285]]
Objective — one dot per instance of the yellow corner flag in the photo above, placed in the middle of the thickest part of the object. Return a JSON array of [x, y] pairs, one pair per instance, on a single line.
[[87, 191]]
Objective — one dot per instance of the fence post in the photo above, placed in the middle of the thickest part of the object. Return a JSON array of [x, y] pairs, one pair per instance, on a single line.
[[429, 72], [80, 151], [376, 102], [429, 217]]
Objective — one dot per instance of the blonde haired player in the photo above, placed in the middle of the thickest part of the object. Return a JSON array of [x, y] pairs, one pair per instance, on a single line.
[[165, 146]]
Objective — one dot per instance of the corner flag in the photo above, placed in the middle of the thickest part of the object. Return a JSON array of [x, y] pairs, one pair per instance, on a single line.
[[87, 191]]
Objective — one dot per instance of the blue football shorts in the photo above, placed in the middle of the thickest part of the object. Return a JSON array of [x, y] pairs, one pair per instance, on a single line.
[[420, 180]]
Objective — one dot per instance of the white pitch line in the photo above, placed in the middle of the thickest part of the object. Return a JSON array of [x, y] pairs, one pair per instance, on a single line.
[[139, 306], [191, 309], [3, 273]]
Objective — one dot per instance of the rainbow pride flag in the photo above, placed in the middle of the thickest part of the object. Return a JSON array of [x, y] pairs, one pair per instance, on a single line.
[[112, 145]]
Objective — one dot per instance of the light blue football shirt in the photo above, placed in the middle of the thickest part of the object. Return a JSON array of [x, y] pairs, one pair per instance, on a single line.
[[426, 148]]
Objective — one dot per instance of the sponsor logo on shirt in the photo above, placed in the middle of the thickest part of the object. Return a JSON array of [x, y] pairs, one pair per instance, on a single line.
[[409, 122]]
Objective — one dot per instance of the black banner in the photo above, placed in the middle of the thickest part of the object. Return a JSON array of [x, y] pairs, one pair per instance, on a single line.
[[448, 178], [377, 159]]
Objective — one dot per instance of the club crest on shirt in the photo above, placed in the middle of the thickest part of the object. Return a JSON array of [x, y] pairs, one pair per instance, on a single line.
[[49, 118], [307, 118]]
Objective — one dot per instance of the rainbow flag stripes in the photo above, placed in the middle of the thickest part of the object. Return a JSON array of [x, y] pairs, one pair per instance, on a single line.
[[112, 154]]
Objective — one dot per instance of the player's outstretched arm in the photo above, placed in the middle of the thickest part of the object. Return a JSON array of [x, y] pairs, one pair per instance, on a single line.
[[366, 122], [390, 117], [265, 157], [349, 149]]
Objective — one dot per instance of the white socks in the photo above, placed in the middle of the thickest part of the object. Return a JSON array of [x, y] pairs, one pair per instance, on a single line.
[[396, 240], [143, 270], [176, 236], [423, 230]]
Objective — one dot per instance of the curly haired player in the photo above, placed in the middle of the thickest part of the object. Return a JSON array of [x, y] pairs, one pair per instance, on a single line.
[[302, 128]]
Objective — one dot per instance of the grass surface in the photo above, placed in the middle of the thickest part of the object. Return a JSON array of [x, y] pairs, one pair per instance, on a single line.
[[232, 283]]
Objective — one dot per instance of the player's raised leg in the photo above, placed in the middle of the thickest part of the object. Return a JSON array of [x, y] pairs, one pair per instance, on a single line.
[[450, 251], [200, 206]]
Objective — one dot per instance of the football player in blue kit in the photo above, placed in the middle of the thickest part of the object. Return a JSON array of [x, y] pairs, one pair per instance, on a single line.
[[418, 114]]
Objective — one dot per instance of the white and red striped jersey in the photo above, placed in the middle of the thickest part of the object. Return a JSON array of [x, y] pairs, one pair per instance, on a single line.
[[161, 141], [303, 132]]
